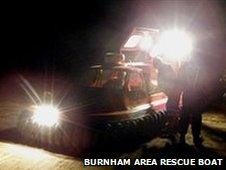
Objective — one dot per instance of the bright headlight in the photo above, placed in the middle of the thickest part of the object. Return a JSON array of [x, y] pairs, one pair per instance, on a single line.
[[47, 115], [175, 45]]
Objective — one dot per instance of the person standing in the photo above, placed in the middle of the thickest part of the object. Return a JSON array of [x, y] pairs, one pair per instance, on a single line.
[[168, 82], [193, 102]]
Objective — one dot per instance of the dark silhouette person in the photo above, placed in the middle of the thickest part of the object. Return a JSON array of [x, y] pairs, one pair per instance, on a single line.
[[193, 102], [168, 82]]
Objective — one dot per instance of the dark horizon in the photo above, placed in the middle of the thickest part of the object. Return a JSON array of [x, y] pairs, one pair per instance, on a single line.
[[73, 36]]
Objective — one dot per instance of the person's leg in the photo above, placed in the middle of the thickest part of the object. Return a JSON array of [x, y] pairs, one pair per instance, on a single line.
[[173, 111], [172, 129], [196, 125], [183, 125], [172, 115]]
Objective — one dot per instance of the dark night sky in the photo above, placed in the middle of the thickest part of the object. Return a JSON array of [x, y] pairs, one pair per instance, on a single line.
[[76, 35]]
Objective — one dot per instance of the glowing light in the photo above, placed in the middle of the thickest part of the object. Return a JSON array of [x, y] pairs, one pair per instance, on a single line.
[[46, 115], [146, 43], [175, 45], [133, 41]]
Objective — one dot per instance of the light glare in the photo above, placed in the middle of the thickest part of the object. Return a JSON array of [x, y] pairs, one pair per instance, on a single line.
[[146, 43], [175, 45], [133, 41], [47, 115]]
